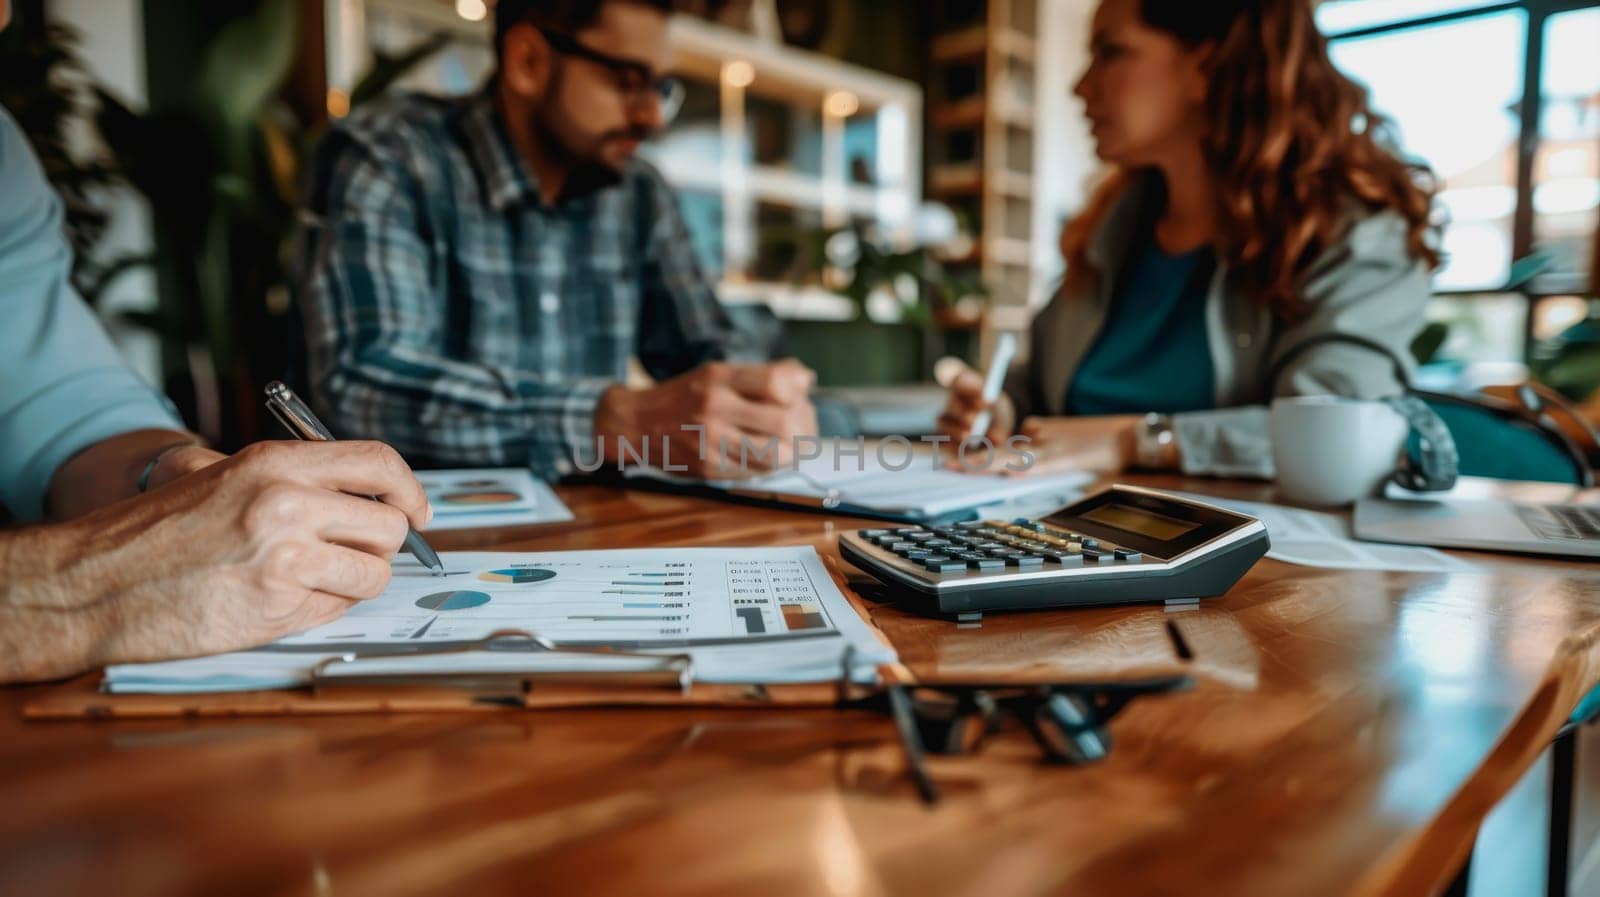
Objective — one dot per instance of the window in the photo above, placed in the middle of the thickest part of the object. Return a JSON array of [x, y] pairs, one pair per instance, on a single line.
[[1339, 16], [1502, 99], [1566, 168], [1461, 120]]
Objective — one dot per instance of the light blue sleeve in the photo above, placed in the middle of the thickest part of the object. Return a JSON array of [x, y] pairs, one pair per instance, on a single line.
[[63, 386]]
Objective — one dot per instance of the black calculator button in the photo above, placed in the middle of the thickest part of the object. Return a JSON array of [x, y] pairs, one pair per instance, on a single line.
[[1065, 559], [898, 547], [1025, 560], [982, 563], [944, 565], [1091, 543], [1094, 555], [921, 537], [1123, 554], [917, 555], [873, 533]]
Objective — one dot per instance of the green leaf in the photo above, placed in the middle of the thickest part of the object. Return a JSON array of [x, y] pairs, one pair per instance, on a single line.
[[101, 278], [245, 66], [387, 69], [1575, 374], [1426, 346], [149, 320]]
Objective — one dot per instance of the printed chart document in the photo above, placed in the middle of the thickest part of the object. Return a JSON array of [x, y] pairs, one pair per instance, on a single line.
[[467, 499], [891, 479], [1322, 539], [743, 615]]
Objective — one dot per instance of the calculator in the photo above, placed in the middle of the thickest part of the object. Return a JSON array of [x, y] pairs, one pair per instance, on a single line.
[[1119, 546]]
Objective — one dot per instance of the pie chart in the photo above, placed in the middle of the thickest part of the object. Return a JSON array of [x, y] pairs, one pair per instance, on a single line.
[[519, 576], [452, 600]]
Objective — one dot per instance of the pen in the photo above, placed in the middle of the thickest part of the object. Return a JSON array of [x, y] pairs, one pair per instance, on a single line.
[[1005, 349], [297, 417]]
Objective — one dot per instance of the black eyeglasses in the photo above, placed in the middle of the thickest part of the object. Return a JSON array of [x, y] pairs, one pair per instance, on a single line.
[[1069, 721], [634, 80]]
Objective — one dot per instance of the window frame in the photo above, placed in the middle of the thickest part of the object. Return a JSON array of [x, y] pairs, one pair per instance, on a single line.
[[1539, 13]]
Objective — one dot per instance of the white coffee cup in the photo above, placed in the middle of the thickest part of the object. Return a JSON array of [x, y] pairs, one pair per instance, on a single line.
[[1332, 451]]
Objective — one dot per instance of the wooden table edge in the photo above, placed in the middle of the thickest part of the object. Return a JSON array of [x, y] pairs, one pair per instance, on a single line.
[[1427, 862]]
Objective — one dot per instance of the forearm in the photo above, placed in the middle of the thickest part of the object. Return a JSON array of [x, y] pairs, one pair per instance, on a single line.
[[48, 627], [108, 471], [454, 414]]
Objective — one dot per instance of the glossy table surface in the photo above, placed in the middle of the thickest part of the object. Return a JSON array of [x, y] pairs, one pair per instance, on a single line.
[[1347, 734]]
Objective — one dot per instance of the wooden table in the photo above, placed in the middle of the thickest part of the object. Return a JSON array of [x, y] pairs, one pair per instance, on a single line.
[[1348, 733]]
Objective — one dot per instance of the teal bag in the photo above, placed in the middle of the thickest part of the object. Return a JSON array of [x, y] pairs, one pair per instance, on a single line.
[[1498, 440]]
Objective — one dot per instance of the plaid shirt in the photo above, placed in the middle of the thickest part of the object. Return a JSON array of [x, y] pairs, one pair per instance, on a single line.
[[451, 313]]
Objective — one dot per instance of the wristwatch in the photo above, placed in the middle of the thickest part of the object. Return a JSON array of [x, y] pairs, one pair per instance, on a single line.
[[1156, 445]]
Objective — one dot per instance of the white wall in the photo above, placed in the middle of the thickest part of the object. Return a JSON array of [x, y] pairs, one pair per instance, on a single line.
[[1066, 165], [113, 50]]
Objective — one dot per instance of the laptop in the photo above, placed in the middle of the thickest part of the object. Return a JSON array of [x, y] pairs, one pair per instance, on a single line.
[[1566, 530]]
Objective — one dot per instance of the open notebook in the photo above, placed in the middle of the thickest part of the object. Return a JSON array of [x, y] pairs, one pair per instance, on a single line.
[[892, 485]]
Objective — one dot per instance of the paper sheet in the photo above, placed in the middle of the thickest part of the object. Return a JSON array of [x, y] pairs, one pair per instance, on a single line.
[[894, 481], [1321, 539], [744, 615], [467, 499]]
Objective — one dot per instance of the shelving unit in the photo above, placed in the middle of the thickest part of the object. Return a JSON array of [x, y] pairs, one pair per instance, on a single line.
[[773, 144], [777, 142], [983, 65]]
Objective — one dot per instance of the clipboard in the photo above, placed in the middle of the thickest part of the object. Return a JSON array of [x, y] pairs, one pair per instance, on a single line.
[[1068, 720], [336, 688], [663, 688]]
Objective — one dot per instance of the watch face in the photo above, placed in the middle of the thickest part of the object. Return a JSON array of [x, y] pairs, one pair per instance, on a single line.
[[1155, 436]]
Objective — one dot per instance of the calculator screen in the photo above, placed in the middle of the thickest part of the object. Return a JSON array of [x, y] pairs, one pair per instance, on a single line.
[[1136, 520], [1160, 526]]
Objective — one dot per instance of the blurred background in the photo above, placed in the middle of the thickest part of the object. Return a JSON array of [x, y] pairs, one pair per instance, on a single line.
[[874, 184]]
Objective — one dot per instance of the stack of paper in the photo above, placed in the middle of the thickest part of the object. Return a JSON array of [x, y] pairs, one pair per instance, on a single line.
[[467, 499], [742, 615], [1324, 540]]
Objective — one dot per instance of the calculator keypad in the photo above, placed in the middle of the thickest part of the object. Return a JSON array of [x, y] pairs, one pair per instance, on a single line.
[[993, 546]]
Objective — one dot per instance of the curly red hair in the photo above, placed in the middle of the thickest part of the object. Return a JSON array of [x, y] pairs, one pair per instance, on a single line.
[[1292, 142]]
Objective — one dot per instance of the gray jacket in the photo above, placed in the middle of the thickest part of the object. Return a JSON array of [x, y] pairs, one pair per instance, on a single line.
[[1367, 286]]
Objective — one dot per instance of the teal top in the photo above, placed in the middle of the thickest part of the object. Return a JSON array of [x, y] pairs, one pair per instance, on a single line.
[[63, 387], [1152, 353]]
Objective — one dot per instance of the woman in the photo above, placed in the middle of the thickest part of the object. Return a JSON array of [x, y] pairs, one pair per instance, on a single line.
[[1254, 211]]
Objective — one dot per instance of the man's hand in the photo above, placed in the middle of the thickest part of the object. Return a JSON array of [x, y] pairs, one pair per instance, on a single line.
[[269, 542], [966, 403], [758, 403]]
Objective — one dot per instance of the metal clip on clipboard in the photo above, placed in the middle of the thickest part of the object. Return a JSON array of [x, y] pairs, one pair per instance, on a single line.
[[670, 671]]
